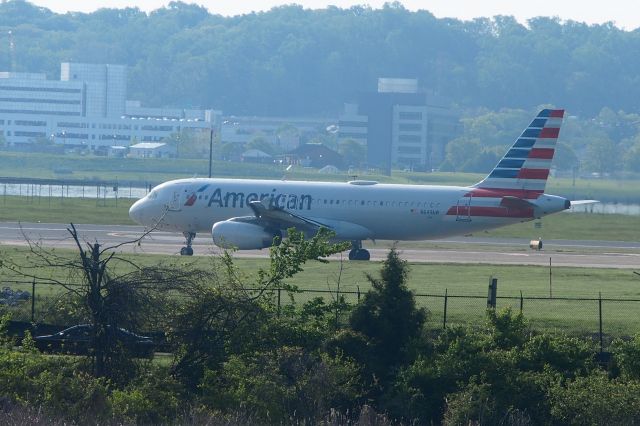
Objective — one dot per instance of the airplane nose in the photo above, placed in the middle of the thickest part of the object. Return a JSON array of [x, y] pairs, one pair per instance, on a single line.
[[135, 212]]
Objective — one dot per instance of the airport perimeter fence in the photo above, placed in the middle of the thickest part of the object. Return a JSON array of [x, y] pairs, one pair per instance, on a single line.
[[40, 191], [599, 318]]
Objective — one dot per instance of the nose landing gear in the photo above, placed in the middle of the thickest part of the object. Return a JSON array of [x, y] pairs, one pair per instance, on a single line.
[[188, 250], [358, 253]]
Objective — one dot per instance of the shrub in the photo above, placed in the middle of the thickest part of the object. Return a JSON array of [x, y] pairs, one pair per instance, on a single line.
[[596, 400], [60, 385], [626, 356], [154, 397], [287, 383]]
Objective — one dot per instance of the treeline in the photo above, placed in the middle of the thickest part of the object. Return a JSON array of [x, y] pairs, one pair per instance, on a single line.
[[607, 144], [239, 357], [294, 61]]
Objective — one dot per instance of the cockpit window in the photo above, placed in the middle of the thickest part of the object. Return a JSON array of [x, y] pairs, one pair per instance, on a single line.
[[152, 195]]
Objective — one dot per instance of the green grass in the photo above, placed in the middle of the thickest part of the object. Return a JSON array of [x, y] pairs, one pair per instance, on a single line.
[[578, 226], [465, 285], [65, 210]]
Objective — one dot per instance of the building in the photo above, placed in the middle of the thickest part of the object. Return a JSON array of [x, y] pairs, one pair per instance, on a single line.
[[86, 108], [315, 155], [282, 132], [401, 125], [152, 150]]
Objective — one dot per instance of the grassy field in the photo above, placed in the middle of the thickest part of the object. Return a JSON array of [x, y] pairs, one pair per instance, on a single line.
[[64, 210], [465, 285]]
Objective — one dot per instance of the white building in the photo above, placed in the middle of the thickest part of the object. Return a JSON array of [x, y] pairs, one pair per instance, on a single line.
[[87, 107], [152, 150]]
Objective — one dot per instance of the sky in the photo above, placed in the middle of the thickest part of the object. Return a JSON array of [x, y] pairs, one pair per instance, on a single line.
[[624, 13]]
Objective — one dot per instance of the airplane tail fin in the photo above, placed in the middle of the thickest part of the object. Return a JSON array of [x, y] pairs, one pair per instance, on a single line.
[[524, 169]]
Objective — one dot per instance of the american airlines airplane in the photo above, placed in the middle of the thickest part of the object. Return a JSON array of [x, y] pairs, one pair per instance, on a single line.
[[253, 214]]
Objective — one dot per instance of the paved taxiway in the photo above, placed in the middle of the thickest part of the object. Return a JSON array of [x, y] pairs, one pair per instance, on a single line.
[[507, 251]]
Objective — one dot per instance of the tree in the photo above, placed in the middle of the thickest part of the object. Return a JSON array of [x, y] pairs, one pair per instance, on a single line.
[[353, 152], [261, 143], [225, 314], [460, 150], [388, 316], [110, 298], [602, 156]]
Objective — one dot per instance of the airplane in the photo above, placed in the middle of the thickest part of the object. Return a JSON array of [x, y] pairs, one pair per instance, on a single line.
[[253, 214]]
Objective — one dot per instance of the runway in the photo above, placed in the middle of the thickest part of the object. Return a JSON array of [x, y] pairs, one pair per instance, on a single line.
[[504, 251]]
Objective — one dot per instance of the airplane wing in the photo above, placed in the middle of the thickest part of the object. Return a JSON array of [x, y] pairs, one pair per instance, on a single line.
[[280, 218]]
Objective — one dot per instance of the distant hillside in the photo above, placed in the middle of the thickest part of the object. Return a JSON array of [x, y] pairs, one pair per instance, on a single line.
[[291, 61]]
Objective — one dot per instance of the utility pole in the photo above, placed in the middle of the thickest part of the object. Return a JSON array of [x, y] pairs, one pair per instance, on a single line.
[[12, 51], [210, 151]]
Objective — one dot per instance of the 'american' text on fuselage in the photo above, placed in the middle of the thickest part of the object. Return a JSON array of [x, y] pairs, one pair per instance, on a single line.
[[239, 199]]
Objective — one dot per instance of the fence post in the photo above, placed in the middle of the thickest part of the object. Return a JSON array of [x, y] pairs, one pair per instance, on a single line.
[[550, 281], [600, 319], [33, 300], [493, 291], [358, 294], [446, 298], [521, 301], [337, 306], [279, 291]]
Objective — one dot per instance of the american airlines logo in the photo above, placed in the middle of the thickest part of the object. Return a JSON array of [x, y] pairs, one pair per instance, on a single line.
[[192, 199], [238, 199]]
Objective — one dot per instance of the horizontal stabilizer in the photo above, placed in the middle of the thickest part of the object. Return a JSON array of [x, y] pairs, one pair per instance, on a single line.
[[584, 202], [515, 203]]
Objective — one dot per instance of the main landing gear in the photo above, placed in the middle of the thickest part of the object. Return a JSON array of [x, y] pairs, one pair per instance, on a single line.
[[188, 250], [357, 252]]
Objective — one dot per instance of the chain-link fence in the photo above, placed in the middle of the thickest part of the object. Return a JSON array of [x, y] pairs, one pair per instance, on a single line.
[[598, 317]]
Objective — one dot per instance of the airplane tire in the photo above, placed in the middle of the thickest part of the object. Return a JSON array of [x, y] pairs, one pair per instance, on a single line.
[[364, 254], [186, 251], [359, 254]]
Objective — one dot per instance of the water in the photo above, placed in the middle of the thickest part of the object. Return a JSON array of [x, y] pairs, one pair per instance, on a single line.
[[608, 208], [71, 191]]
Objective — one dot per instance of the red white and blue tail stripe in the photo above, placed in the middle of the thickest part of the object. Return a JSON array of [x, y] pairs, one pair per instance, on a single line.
[[524, 169]]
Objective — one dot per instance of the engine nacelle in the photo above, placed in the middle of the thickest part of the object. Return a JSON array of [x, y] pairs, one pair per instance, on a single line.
[[241, 235]]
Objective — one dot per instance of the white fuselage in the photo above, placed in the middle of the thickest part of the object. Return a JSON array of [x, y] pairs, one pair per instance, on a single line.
[[355, 211]]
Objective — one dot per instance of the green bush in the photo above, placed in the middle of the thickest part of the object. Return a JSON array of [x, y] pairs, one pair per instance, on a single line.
[[60, 385], [568, 356], [289, 382], [153, 397], [596, 400], [626, 357]]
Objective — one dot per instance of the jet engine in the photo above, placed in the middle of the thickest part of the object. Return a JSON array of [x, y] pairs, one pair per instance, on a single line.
[[242, 235]]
